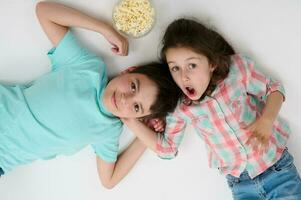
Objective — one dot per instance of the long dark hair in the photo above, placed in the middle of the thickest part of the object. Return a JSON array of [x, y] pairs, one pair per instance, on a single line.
[[168, 92], [192, 34]]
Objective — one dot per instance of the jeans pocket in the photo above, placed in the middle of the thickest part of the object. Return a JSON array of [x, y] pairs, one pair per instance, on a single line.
[[286, 162], [230, 181], [230, 184]]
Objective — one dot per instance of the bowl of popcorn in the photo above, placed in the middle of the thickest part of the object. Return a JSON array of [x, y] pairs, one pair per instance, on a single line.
[[134, 18]]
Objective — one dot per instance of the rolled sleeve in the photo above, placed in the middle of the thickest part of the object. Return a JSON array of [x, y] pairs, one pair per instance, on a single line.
[[259, 84], [169, 141], [275, 86]]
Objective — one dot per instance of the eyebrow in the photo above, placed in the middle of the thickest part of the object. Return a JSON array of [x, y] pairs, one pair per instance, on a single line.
[[138, 89], [191, 58]]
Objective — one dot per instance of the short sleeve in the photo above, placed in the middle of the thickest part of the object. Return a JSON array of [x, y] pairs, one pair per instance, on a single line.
[[256, 82], [169, 141], [107, 149], [69, 53]]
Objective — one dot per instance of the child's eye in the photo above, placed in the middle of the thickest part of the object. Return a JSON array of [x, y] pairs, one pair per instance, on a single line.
[[174, 68], [192, 66], [136, 108], [133, 87]]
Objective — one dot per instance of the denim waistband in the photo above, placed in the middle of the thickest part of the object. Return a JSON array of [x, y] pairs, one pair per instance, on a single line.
[[245, 176]]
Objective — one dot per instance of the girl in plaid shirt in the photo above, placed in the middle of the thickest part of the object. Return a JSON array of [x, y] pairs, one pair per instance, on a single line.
[[233, 107]]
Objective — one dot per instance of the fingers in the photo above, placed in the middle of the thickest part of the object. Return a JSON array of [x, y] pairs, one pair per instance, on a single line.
[[121, 48], [115, 50], [126, 48], [252, 141], [258, 142], [250, 127], [158, 125], [264, 146], [256, 145]]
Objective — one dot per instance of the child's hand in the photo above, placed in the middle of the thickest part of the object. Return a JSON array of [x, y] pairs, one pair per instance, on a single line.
[[156, 124], [261, 131], [120, 44]]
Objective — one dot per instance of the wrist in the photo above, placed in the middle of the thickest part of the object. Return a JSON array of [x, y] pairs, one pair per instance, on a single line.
[[103, 28], [267, 119]]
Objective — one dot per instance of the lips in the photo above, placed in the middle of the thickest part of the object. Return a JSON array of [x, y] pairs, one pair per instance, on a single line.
[[114, 100], [190, 91]]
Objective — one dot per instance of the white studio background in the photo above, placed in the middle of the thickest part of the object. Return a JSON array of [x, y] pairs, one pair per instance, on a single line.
[[267, 30]]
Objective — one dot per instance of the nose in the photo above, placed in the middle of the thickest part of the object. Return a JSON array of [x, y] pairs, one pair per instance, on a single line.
[[126, 98], [184, 76]]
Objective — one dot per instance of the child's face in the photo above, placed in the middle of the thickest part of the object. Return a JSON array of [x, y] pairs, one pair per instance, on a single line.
[[130, 95], [191, 71]]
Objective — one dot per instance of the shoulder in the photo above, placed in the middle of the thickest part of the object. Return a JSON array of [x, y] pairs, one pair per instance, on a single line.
[[241, 65], [185, 111], [241, 61], [71, 53]]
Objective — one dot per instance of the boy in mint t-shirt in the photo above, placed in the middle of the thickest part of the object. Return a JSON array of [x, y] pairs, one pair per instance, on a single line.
[[74, 105]]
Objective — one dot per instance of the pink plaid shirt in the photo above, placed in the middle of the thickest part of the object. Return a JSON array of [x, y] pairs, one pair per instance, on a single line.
[[220, 120]]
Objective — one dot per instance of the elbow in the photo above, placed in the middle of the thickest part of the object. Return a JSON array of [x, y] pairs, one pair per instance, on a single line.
[[41, 8], [108, 184]]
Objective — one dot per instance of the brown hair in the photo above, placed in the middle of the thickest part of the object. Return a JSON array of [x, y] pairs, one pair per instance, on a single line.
[[200, 39], [168, 92]]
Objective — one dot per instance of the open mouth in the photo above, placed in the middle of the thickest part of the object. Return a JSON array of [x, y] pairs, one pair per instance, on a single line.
[[190, 91]]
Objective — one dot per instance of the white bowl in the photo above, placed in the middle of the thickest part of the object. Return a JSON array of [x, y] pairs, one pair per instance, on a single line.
[[134, 18]]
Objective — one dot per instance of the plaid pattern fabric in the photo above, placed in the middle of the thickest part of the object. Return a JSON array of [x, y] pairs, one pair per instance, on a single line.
[[220, 120]]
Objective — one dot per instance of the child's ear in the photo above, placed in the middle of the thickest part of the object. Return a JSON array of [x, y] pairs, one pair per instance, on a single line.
[[212, 67]]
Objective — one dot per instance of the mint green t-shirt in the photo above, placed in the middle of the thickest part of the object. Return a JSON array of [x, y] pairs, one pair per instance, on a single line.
[[59, 113]]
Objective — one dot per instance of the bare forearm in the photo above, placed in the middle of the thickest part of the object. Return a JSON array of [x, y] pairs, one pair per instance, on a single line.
[[55, 19], [127, 160], [145, 134], [273, 105], [112, 174], [67, 16]]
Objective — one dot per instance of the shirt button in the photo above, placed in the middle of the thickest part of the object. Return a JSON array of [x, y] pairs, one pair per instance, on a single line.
[[220, 115], [241, 149]]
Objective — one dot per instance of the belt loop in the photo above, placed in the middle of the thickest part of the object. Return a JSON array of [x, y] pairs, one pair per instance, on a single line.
[[236, 180]]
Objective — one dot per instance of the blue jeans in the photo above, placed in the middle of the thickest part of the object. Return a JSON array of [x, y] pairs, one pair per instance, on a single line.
[[281, 181]]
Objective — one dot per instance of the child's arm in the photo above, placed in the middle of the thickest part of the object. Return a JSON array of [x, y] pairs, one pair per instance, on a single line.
[[267, 90], [55, 19], [165, 144], [111, 174], [272, 106], [144, 133], [262, 127]]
